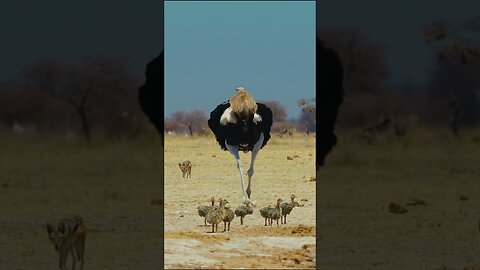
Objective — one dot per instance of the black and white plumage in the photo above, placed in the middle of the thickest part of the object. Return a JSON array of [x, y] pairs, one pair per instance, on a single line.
[[242, 125]]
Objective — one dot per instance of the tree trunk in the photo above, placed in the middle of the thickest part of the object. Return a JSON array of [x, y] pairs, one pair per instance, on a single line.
[[85, 124], [190, 130]]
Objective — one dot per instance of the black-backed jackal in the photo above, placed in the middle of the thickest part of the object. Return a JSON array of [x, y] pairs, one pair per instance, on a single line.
[[68, 236], [186, 168]]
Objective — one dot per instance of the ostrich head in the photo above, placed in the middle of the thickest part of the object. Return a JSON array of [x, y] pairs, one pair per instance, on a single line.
[[244, 106]]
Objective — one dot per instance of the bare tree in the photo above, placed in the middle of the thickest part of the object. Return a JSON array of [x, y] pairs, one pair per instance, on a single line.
[[308, 120], [365, 69], [89, 88], [364, 76], [457, 75], [307, 105], [458, 49], [195, 120], [279, 111], [113, 98], [58, 80]]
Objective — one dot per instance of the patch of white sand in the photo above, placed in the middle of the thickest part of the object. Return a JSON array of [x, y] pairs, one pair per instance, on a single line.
[[194, 252], [185, 252]]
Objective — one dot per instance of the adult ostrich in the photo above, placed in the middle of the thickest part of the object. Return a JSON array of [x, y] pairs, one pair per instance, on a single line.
[[242, 125]]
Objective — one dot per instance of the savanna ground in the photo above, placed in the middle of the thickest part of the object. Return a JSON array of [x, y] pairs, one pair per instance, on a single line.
[[187, 241], [357, 231], [111, 184]]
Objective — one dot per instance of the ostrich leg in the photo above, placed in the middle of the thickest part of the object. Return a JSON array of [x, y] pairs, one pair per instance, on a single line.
[[234, 151], [256, 149]]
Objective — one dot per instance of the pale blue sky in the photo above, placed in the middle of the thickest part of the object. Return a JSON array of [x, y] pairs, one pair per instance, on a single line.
[[212, 47]]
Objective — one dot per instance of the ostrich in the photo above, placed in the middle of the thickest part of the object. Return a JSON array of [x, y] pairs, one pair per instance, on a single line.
[[217, 214], [229, 216], [242, 125], [204, 209], [244, 210]]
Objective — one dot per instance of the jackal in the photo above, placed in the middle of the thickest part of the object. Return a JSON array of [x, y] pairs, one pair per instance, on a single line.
[[68, 236], [186, 168]]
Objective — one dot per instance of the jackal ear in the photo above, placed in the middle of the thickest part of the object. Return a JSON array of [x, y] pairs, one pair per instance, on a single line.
[[48, 226], [179, 164]]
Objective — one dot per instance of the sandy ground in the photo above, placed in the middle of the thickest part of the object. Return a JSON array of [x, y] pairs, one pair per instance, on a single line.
[[187, 241]]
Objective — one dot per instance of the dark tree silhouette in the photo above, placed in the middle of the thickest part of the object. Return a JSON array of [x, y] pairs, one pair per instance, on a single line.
[[56, 81], [151, 93], [460, 55], [329, 97]]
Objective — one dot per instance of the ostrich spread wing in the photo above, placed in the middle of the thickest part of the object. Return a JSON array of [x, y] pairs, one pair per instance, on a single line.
[[150, 94], [214, 123], [267, 120]]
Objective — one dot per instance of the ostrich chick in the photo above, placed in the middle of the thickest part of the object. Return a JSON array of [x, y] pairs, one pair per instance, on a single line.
[[244, 210], [265, 213], [203, 209], [287, 208], [229, 216], [216, 215], [276, 213]]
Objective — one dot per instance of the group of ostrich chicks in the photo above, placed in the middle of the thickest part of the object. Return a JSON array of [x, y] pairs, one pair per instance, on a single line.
[[215, 214]]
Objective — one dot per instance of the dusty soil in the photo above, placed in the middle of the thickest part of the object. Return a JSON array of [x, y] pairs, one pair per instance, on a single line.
[[188, 243]]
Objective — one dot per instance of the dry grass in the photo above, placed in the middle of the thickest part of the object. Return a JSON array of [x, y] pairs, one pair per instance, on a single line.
[[109, 184], [359, 182]]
